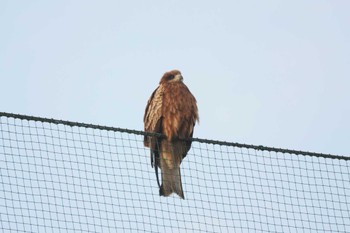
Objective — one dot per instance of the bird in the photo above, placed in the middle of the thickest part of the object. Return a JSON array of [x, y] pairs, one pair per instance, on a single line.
[[171, 112]]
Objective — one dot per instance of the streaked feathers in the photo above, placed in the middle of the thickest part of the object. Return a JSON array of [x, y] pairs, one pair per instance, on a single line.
[[172, 111]]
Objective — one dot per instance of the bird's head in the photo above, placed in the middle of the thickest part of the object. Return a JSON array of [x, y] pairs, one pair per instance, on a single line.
[[171, 76]]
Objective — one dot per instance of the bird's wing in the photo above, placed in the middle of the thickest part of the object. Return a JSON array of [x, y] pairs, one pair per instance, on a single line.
[[153, 124], [153, 113]]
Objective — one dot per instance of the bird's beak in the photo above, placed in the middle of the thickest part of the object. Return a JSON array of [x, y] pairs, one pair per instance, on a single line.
[[178, 77]]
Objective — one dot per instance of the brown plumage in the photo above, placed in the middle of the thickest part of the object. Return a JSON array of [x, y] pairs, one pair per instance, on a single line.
[[171, 111]]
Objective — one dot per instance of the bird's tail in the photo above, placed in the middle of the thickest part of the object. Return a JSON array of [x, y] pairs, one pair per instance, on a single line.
[[170, 161], [171, 181]]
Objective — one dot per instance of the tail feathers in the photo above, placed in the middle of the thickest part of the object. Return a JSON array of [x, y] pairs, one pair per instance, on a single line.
[[171, 182]]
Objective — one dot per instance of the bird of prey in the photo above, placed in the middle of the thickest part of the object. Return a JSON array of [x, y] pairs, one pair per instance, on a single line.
[[172, 112]]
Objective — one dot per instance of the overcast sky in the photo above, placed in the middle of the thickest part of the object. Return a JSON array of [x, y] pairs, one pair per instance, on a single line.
[[274, 73]]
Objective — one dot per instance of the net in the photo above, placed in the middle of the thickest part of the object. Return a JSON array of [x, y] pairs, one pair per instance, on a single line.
[[60, 176]]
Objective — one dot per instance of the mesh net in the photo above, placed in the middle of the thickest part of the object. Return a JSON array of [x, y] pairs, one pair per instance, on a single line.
[[64, 178]]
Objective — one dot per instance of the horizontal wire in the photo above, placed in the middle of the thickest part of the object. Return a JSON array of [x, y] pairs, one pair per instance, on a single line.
[[139, 132]]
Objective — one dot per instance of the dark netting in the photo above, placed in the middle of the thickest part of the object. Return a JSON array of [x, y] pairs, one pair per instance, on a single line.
[[58, 176]]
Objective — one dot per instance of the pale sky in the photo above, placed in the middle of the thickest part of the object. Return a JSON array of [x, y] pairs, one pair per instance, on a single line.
[[274, 73]]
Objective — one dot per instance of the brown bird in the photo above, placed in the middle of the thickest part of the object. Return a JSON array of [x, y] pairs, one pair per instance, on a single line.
[[171, 111]]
